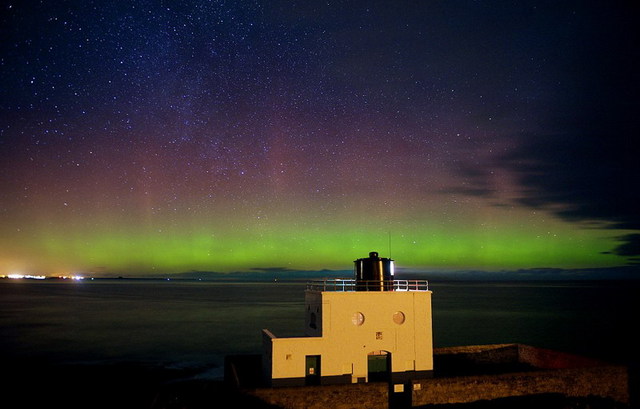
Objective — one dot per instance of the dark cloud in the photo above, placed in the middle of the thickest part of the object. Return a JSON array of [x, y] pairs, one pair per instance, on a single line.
[[629, 247], [583, 163], [588, 170], [589, 177], [474, 181], [581, 177]]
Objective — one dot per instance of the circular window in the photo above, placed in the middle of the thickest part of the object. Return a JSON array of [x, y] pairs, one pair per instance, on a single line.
[[357, 318], [398, 317]]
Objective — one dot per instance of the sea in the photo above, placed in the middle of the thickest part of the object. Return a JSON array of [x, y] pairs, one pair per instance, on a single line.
[[195, 324]]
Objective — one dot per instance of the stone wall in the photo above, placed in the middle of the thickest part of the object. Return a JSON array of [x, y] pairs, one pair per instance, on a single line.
[[470, 374], [349, 396], [608, 382]]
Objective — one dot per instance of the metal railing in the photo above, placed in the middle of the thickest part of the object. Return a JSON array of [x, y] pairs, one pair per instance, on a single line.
[[342, 284]]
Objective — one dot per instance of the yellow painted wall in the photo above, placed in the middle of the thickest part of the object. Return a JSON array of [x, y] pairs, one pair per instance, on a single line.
[[344, 346]]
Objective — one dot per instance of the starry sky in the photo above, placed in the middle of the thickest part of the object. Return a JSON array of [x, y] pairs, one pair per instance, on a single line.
[[145, 137]]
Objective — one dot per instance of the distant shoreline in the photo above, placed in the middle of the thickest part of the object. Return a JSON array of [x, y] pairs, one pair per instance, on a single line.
[[619, 273], [436, 278]]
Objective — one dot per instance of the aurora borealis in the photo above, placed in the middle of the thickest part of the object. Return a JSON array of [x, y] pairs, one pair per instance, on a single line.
[[161, 137]]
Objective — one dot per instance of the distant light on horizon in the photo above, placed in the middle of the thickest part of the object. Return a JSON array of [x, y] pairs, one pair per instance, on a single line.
[[17, 276]]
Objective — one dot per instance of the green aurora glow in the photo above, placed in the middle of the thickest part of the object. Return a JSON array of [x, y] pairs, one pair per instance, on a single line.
[[302, 244], [144, 139]]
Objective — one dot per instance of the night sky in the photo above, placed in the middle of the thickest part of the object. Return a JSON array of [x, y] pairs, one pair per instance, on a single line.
[[143, 137]]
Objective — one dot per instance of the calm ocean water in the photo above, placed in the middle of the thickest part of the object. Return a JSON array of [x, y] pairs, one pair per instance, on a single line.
[[195, 324]]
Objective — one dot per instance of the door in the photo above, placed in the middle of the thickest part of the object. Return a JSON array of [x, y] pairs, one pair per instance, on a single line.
[[312, 370], [378, 366]]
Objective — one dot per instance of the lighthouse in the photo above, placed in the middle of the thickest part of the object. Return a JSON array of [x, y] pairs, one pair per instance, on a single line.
[[368, 328]]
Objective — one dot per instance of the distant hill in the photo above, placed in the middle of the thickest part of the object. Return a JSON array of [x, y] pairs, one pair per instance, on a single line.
[[631, 272], [263, 275]]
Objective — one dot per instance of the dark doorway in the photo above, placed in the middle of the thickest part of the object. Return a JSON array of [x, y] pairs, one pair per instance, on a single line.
[[379, 366], [400, 395], [312, 370]]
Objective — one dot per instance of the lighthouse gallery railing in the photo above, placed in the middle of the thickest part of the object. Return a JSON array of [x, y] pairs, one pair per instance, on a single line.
[[340, 284]]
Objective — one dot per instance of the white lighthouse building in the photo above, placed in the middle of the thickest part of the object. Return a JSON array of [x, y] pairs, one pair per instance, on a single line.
[[370, 328]]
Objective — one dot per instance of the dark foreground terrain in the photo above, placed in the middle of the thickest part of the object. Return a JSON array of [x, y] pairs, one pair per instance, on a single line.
[[118, 386], [128, 386]]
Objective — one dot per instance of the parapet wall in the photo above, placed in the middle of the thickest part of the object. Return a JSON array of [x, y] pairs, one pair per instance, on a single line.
[[347, 396], [502, 354], [487, 372], [470, 374], [606, 382]]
